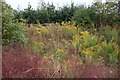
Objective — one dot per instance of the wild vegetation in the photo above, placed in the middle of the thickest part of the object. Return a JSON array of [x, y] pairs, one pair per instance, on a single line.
[[72, 42]]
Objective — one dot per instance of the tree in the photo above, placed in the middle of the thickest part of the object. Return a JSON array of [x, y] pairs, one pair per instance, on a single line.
[[29, 14], [82, 17], [103, 14]]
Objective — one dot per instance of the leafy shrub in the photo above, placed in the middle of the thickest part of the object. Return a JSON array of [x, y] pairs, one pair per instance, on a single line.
[[11, 32], [82, 17]]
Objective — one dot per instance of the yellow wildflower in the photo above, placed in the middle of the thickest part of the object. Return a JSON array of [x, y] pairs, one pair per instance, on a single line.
[[38, 32], [38, 29], [62, 23], [85, 33], [52, 56], [60, 51]]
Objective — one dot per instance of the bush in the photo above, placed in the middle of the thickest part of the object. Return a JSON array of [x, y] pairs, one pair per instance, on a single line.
[[82, 17], [11, 31]]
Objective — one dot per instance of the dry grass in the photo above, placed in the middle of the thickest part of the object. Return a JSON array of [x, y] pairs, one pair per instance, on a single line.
[[24, 64]]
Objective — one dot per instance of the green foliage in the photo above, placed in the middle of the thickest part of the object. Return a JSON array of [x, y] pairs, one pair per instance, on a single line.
[[82, 17], [109, 51], [11, 32], [111, 34], [98, 14], [46, 13], [93, 46], [29, 14], [103, 14]]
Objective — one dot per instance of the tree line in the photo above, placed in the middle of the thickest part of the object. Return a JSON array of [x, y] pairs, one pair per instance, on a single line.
[[98, 14]]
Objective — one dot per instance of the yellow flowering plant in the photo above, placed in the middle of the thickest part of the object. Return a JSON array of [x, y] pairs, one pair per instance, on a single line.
[[88, 39], [109, 52], [38, 47], [60, 54], [68, 29], [43, 31], [91, 45]]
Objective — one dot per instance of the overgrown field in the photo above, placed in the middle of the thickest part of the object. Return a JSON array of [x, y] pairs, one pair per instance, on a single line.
[[64, 51], [73, 42]]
